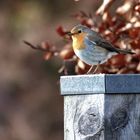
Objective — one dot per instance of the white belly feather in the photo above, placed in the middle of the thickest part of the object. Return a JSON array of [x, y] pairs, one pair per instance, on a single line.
[[93, 55]]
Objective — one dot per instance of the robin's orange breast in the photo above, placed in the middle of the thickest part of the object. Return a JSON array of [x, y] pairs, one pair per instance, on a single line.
[[78, 41]]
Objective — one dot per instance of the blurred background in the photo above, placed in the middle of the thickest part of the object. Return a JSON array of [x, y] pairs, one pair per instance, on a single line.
[[31, 107]]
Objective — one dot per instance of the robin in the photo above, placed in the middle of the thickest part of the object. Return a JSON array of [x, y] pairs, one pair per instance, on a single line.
[[91, 48]]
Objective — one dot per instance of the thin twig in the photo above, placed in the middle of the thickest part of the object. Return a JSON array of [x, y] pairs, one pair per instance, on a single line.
[[37, 47]]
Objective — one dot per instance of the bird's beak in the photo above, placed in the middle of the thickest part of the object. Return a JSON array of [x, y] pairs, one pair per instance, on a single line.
[[71, 34]]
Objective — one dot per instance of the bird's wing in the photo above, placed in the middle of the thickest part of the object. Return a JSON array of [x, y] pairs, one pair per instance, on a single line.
[[100, 42]]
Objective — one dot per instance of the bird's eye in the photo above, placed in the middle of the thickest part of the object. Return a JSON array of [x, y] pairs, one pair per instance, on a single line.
[[79, 31]]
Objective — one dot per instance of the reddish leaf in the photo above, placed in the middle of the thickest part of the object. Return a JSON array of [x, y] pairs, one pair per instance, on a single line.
[[137, 8], [126, 9], [60, 31], [134, 32], [135, 43], [67, 53], [45, 45], [107, 19], [86, 22], [118, 60], [78, 70], [81, 64], [104, 7], [48, 55], [125, 70]]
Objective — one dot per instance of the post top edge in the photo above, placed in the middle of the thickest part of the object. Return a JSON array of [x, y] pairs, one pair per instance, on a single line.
[[86, 75], [98, 75], [100, 83]]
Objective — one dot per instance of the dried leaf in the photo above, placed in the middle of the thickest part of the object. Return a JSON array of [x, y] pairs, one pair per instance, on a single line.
[[137, 24], [107, 18], [126, 10], [45, 45], [124, 70], [87, 23], [81, 67], [118, 60], [134, 32], [128, 58], [80, 15], [48, 55], [66, 53], [137, 8], [79, 70], [61, 31], [132, 66], [135, 43], [104, 7], [81, 64]]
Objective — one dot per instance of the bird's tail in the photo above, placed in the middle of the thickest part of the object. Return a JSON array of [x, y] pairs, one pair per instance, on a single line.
[[126, 51]]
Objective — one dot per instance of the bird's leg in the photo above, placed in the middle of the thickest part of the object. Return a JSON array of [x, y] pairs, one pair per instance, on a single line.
[[90, 69], [96, 68]]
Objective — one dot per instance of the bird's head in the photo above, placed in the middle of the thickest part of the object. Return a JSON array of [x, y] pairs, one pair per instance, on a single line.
[[78, 33]]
